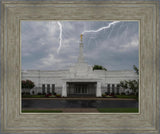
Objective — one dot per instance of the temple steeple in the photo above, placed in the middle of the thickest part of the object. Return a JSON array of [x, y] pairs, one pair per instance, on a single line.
[[81, 58], [81, 68]]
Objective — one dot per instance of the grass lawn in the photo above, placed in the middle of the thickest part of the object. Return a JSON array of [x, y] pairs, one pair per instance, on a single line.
[[118, 110], [33, 96], [126, 96], [41, 111]]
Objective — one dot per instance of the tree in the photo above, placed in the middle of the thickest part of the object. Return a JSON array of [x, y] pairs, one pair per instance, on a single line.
[[136, 69], [27, 85], [134, 85], [99, 67], [131, 84], [23, 84], [124, 84]]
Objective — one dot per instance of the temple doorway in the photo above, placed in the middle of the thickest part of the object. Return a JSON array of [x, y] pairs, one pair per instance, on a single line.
[[81, 89]]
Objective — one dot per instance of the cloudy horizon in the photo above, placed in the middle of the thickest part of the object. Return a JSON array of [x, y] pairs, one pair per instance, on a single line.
[[115, 48]]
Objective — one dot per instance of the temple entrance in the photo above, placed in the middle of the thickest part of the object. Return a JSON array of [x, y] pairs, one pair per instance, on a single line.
[[81, 89]]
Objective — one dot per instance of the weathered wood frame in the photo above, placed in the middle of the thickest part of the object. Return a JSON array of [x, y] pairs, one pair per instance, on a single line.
[[146, 121]]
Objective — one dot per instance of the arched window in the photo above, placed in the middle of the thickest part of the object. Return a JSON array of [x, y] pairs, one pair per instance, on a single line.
[[53, 88], [118, 88], [43, 88], [113, 88], [48, 88], [108, 88]]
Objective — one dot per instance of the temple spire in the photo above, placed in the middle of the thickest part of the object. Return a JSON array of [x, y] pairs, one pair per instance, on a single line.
[[81, 58], [81, 37]]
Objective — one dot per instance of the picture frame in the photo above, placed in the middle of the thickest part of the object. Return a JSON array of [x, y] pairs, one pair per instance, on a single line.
[[146, 121]]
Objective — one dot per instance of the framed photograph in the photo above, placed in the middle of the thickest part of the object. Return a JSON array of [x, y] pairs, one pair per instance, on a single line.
[[79, 70], [80, 67]]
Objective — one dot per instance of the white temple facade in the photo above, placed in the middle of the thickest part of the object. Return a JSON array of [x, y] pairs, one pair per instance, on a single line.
[[79, 80]]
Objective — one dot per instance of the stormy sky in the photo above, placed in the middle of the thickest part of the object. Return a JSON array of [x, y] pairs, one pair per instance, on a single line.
[[115, 48]]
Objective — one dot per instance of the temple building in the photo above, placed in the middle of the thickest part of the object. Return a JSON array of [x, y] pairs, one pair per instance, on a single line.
[[80, 80]]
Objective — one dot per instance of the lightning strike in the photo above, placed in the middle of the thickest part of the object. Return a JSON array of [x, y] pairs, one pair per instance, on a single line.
[[102, 28], [60, 36], [89, 31]]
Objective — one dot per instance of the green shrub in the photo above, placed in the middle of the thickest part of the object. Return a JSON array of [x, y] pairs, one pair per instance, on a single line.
[[39, 94], [123, 94], [58, 95], [103, 95], [27, 93]]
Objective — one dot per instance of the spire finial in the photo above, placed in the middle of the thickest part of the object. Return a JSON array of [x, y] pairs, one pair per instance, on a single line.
[[81, 37], [81, 58]]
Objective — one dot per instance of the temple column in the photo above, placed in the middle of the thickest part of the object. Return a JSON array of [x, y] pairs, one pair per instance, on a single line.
[[110, 88], [64, 90], [98, 91], [50, 89], [46, 89], [115, 89]]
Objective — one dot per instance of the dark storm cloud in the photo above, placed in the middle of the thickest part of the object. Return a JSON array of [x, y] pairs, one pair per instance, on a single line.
[[119, 51], [115, 48]]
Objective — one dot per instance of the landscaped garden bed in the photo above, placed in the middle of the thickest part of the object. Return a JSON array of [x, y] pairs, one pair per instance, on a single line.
[[103, 110], [42, 96], [41, 111], [131, 96]]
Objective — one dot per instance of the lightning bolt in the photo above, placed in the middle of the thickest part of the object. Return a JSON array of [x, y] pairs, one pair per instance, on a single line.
[[89, 31], [60, 36], [102, 28]]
